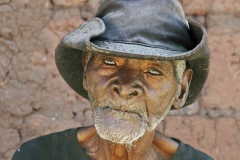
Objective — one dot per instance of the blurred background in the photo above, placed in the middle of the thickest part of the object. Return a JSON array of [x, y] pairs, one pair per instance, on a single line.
[[35, 100]]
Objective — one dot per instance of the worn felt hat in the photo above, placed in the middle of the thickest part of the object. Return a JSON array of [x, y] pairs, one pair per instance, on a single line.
[[141, 29]]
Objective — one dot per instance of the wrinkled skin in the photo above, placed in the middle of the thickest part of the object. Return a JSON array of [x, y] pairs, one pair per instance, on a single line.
[[129, 98]]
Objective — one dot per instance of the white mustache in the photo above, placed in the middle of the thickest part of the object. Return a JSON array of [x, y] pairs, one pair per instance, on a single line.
[[123, 106]]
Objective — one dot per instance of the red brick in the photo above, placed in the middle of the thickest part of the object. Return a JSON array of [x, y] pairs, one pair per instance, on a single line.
[[68, 3], [9, 139], [4, 1], [216, 137], [225, 6], [195, 130], [222, 89], [226, 146], [196, 7]]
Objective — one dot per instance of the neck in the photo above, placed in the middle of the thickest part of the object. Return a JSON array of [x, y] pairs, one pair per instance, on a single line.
[[152, 145]]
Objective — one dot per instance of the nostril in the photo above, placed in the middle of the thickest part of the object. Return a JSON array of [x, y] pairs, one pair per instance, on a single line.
[[135, 93], [116, 90]]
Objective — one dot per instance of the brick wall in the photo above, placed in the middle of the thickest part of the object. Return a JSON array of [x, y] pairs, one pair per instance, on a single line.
[[35, 100]]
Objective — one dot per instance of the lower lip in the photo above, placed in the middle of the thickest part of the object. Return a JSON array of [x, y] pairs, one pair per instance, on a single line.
[[118, 113]]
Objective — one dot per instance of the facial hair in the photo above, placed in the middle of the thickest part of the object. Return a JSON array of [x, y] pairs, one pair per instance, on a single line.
[[118, 125]]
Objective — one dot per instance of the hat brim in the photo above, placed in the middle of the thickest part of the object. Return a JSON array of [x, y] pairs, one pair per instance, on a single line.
[[69, 54]]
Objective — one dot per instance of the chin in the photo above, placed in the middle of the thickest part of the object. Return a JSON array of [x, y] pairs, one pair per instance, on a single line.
[[118, 126]]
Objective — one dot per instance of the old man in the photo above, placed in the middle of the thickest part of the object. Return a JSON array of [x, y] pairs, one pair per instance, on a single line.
[[135, 61]]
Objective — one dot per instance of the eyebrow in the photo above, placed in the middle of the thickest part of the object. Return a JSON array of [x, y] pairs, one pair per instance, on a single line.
[[166, 65]]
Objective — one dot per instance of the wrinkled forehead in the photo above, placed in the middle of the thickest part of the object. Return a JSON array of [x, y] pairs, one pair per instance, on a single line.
[[162, 63]]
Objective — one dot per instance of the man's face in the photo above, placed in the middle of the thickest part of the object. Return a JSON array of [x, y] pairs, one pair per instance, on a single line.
[[129, 97]]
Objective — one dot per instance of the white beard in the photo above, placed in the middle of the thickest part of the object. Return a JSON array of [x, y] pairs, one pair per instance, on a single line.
[[119, 129], [123, 127]]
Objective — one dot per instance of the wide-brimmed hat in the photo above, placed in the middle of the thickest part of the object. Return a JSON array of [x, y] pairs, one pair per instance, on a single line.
[[141, 29]]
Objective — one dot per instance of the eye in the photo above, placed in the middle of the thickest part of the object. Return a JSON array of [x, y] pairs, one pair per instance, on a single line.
[[154, 71], [109, 61]]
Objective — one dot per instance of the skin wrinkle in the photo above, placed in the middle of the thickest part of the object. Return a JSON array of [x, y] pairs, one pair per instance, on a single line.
[[151, 123], [156, 94], [179, 66], [158, 118]]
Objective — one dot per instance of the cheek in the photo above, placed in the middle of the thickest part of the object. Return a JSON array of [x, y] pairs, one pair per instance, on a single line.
[[97, 86], [161, 89], [161, 98], [91, 78]]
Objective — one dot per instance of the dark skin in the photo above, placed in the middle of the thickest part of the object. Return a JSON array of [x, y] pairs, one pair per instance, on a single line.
[[149, 85]]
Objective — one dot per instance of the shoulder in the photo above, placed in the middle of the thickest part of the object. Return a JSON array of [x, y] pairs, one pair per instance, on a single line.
[[43, 147], [186, 151]]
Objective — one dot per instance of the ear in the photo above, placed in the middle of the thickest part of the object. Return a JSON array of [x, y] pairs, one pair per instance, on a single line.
[[85, 58], [181, 98]]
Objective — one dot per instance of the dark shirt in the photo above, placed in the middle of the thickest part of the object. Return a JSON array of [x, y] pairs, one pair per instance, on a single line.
[[64, 146]]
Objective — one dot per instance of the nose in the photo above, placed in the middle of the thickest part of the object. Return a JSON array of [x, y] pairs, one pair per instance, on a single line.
[[127, 89]]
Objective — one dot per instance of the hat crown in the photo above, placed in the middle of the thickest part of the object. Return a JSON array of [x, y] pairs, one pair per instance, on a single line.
[[155, 23]]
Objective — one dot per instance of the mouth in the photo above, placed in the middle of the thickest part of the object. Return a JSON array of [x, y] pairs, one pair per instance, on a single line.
[[116, 109]]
